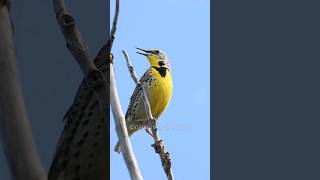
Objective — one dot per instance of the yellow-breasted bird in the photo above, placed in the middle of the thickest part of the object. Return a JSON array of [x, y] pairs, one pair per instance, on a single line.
[[157, 82]]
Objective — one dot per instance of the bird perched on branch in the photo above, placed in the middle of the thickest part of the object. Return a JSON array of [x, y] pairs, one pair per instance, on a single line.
[[157, 82]]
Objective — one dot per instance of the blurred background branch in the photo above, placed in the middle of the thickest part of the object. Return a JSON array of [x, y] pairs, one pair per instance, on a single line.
[[96, 82], [16, 136], [95, 79]]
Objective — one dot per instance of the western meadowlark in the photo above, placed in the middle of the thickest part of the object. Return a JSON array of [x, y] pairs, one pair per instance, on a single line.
[[157, 82]]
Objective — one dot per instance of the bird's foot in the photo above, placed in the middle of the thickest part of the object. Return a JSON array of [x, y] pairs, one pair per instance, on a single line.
[[148, 130], [150, 125]]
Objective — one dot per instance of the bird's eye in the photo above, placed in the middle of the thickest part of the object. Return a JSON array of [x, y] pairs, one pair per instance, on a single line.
[[161, 63], [157, 51]]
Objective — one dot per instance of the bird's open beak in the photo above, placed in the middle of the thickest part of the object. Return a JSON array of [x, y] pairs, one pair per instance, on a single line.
[[144, 52]]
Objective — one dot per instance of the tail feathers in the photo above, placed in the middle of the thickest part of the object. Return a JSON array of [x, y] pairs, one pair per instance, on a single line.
[[134, 128], [117, 148]]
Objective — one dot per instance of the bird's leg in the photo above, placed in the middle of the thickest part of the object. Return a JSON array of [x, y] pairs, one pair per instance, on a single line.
[[150, 124], [149, 131]]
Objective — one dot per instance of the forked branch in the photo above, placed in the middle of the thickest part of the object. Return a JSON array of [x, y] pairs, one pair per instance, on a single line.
[[95, 78], [158, 143], [75, 43]]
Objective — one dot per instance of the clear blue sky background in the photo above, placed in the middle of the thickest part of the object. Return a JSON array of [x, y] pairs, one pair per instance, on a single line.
[[181, 29]]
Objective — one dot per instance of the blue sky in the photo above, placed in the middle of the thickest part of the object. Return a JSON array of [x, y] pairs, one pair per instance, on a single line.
[[181, 29]]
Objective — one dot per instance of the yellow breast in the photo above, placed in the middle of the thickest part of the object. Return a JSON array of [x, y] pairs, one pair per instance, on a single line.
[[160, 91]]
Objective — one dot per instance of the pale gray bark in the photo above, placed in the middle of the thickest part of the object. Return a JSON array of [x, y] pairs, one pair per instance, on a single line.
[[121, 130]]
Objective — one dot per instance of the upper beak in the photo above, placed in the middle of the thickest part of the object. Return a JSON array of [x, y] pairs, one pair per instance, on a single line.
[[144, 52]]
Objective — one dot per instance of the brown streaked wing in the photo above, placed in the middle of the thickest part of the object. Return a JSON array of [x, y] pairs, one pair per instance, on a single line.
[[135, 92]]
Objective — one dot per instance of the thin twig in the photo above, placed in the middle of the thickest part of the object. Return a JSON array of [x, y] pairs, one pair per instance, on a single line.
[[131, 70], [114, 26], [16, 135], [158, 145]]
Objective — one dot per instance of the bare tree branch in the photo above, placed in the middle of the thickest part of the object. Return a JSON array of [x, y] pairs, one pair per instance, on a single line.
[[158, 143], [119, 118], [114, 26], [96, 82], [5, 3], [75, 43], [121, 130], [95, 78], [16, 136]]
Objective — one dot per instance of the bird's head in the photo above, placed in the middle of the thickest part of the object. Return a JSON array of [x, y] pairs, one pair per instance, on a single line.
[[155, 57]]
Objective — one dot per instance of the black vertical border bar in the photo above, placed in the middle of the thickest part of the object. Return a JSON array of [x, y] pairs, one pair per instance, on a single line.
[[107, 26]]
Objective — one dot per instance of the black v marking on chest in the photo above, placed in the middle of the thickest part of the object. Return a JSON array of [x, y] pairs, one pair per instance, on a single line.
[[162, 70]]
